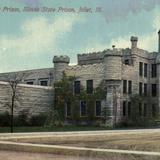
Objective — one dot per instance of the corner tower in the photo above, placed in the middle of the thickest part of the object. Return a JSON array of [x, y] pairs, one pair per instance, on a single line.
[[159, 41], [134, 41], [60, 64], [113, 77]]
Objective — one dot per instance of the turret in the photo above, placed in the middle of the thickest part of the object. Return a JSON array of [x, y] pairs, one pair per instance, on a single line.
[[159, 41], [60, 64], [113, 77], [113, 64], [134, 41]]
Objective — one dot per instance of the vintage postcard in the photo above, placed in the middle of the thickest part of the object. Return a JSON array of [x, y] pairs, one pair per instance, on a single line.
[[79, 79]]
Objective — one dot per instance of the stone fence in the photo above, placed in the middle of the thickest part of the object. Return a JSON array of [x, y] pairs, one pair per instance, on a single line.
[[30, 98]]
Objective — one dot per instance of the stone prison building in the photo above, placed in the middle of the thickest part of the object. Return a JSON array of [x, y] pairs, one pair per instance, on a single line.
[[125, 72]]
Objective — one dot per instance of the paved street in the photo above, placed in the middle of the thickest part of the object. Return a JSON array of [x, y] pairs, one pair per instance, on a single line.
[[11, 155]]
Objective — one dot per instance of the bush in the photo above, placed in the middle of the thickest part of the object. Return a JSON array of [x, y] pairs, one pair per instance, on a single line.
[[4, 119], [22, 118], [38, 120]]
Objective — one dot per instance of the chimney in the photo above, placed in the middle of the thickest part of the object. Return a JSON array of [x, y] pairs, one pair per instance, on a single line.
[[159, 41], [113, 46], [134, 41]]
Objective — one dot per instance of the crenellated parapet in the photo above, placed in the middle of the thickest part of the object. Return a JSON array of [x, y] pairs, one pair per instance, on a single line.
[[97, 57], [61, 59], [113, 64], [90, 58], [114, 52]]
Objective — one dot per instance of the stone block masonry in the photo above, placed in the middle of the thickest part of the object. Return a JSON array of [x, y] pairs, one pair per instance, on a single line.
[[31, 98]]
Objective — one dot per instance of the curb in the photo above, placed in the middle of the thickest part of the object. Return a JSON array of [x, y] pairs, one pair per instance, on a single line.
[[76, 151]]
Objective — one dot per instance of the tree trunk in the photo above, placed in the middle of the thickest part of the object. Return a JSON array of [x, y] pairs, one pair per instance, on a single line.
[[12, 107]]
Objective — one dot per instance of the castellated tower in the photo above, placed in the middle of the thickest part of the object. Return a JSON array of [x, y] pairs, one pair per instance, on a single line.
[[113, 76], [134, 41], [159, 41], [113, 64], [60, 64]]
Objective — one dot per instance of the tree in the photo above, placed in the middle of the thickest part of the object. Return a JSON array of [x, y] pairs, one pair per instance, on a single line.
[[13, 81], [137, 116], [63, 91]]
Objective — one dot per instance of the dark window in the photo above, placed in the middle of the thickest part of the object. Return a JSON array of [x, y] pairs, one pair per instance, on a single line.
[[126, 62], [98, 108], [129, 87], [83, 108], [68, 109], [124, 86], [129, 109], [140, 68], [145, 110], [154, 70], [29, 82], [124, 108], [89, 86], [44, 83], [140, 88], [77, 87], [153, 110], [140, 109], [145, 89], [145, 69], [154, 90]]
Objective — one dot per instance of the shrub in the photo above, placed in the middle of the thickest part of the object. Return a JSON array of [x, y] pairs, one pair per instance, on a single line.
[[4, 119], [38, 120], [21, 119]]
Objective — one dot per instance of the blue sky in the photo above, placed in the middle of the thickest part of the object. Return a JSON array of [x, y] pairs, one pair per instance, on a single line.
[[30, 40]]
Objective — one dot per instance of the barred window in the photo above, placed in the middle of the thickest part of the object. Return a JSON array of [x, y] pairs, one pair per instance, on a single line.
[[30, 82], [126, 61], [154, 70], [124, 108], [83, 108], [124, 86], [98, 108], [145, 69], [145, 110], [145, 89], [140, 68], [154, 110], [140, 109], [140, 88], [44, 83], [129, 87], [154, 90], [68, 109], [129, 109], [77, 87], [89, 86]]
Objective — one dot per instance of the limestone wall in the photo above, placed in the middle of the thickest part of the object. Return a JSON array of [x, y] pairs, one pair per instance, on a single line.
[[90, 58], [87, 72], [34, 99], [35, 76]]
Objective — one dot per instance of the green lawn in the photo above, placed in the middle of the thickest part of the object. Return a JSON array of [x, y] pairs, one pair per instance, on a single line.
[[51, 129]]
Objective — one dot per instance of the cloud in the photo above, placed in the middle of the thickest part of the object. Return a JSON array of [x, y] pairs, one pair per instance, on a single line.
[[30, 2], [150, 41], [37, 35], [147, 41], [115, 9]]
